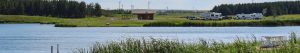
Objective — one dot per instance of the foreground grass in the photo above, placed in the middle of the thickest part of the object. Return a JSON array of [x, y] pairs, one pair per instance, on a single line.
[[201, 46], [160, 20]]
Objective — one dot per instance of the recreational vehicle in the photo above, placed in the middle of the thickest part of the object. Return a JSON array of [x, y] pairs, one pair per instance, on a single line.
[[249, 16], [212, 15]]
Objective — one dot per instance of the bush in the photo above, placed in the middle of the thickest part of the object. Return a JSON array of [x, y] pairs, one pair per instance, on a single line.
[[159, 24], [64, 25], [2, 21]]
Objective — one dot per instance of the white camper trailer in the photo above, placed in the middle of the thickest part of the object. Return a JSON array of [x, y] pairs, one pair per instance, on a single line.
[[249, 16], [212, 15]]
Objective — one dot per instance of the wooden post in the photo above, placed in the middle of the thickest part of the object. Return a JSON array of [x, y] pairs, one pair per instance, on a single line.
[[57, 48], [51, 49]]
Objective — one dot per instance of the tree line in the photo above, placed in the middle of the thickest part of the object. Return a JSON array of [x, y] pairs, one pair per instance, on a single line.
[[54, 8], [267, 8]]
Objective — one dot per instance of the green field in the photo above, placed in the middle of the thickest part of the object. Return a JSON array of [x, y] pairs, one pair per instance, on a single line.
[[89, 21], [174, 19]]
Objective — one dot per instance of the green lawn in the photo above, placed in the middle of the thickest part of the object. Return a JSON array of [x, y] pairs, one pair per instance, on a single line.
[[117, 21], [81, 22]]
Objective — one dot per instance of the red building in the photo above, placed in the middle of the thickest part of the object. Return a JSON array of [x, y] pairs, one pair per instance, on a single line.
[[143, 14]]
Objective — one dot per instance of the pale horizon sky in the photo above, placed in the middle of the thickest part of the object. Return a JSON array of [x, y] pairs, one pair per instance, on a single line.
[[172, 4]]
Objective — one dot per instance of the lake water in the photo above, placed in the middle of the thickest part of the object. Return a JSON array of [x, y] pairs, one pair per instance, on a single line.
[[37, 38]]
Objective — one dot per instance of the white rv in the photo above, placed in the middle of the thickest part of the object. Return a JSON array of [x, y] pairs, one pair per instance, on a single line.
[[212, 15], [249, 16]]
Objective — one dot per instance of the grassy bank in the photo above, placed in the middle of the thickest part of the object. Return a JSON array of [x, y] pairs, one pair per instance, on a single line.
[[201, 46], [226, 23], [284, 20], [67, 22], [159, 21], [115, 21]]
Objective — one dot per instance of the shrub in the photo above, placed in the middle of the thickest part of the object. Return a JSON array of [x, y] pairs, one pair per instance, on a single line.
[[159, 24], [64, 25]]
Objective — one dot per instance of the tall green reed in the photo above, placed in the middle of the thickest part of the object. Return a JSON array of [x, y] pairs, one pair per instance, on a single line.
[[153, 45]]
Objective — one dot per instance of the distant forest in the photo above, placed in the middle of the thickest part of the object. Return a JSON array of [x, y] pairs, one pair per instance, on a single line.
[[54, 8], [267, 8]]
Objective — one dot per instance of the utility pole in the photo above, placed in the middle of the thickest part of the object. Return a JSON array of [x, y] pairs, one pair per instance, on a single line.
[[195, 8], [132, 7], [167, 8], [122, 6], [148, 4], [132, 4], [119, 4]]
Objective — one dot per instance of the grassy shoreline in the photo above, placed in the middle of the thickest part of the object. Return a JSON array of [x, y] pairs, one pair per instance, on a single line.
[[159, 21], [256, 23], [152, 45]]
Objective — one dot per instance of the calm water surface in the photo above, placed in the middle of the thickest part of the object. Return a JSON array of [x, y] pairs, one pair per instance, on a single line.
[[36, 38]]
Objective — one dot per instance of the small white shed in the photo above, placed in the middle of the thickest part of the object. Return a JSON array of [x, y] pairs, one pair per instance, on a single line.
[[249, 16], [212, 15]]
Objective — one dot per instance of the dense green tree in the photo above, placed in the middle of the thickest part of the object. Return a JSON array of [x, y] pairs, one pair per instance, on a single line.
[[90, 9], [272, 8], [82, 9], [98, 10], [55, 8]]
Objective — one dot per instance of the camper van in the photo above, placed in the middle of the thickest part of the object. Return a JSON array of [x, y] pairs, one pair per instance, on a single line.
[[249, 16], [212, 16]]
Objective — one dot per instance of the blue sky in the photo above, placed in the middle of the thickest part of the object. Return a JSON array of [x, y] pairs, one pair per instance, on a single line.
[[172, 4]]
